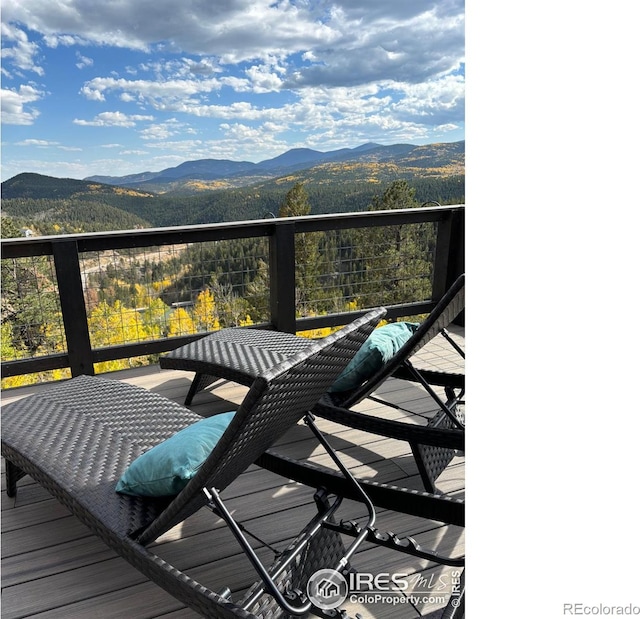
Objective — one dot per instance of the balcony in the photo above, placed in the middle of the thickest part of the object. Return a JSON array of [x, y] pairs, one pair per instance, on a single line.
[[52, 566]]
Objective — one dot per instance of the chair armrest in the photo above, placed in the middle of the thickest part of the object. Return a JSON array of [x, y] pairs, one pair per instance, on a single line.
[[425, 435]]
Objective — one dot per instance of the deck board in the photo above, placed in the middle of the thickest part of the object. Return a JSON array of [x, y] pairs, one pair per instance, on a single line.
[[53, 567]]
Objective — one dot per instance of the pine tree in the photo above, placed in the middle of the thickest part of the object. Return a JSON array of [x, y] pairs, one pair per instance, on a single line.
[[398, 194], [296, 202], [397, 260], [309, 292]]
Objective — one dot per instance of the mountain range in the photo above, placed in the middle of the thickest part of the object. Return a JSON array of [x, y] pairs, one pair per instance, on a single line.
[[225, 173]]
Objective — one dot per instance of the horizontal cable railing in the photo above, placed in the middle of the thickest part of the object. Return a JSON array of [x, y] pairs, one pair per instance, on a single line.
[[83, 303]]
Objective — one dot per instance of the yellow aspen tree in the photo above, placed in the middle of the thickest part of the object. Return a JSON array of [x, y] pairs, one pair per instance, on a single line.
[[116, 324], [8, 351], [142, 298], [205, 312], [180, 323], [154, 318]]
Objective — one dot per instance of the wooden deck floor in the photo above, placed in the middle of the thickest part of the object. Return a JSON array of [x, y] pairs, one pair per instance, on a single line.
[[53, 567]]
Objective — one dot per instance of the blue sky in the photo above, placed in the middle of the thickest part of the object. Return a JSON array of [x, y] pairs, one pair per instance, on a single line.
[[138, 85]]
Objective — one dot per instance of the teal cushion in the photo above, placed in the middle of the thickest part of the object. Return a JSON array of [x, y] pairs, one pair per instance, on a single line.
[[377, 350], [166, 468]]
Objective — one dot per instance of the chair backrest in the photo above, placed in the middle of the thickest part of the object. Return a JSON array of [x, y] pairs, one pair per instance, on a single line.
[[275, 402], [442, 315]]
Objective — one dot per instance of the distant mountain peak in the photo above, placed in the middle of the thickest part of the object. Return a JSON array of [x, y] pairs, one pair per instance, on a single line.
[[367, 146]]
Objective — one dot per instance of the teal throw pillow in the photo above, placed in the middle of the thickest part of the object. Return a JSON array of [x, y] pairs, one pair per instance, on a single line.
[[166, 469], [377, 350]]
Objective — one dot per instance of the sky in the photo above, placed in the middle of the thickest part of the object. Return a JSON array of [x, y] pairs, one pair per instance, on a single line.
[[127, 86]]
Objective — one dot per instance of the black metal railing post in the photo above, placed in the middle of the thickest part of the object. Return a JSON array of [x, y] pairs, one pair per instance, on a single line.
[[450, 255], [74, 311], [456, 257], [282, 277]]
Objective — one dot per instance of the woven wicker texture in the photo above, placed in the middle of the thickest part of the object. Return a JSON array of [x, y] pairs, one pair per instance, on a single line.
[[433, 460], [275, 402], [84, 433], [235, 354], [325, 549]]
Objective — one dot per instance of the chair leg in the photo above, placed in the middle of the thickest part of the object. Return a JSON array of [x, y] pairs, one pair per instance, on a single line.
[[13, 474], [199, 382], [428, 479]]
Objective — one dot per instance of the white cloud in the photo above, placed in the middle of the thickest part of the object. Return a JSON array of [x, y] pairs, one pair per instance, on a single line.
[[14, 105], [206, 66], [34, 142], [163, 131], [235, 30], [160, 94], [64, 40], [18, 50], [263, 79], [83, 61], [346, 41], [92, 94], [112, 119], [437, 102], [237, 84], [337, 44]]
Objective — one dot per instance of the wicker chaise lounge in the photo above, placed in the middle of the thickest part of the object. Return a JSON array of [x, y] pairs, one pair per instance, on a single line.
[[432, 450], [240, 354], [79, 438]]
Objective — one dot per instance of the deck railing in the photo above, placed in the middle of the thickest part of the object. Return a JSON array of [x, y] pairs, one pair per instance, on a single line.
[[68, 257]]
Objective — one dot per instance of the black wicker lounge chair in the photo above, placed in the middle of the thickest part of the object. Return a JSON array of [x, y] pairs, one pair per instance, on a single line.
[[399, 366], [432, 453], [78, 439], [240, 354]]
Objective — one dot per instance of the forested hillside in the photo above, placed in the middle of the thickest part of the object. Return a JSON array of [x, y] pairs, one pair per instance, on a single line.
[[65, 216], [47, 205]]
